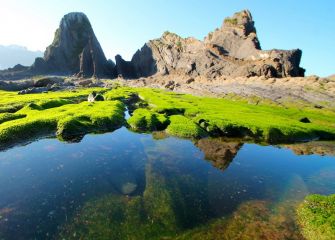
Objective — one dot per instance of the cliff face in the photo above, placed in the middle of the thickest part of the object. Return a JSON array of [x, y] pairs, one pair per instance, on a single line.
[[232, 50], [74, 50]]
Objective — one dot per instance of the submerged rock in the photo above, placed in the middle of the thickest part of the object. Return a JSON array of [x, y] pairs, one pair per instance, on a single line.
[[128, 188]]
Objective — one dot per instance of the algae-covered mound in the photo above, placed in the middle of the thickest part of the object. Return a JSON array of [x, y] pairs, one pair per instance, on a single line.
[[184, 127], [58, 113], [146, 120], [316, 216], [192, 116]]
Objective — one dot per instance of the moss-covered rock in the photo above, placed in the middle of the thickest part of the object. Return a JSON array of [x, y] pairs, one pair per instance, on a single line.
[[4, 117], [68, 120], [181, 126], [146, 120]]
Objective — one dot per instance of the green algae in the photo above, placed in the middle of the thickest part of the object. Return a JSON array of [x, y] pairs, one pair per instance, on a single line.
[[178, 114], [316, 216], [63, 117], [226, 117], [181, 126], [5, 117], [146, 120]]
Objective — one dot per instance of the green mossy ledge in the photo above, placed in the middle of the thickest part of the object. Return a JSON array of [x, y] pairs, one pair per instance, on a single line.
[[202, 116], [23, 117], [316, 215], [63, 116], [146, 120]]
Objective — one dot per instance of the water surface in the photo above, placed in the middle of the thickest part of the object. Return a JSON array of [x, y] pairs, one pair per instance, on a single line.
[[51, 189]]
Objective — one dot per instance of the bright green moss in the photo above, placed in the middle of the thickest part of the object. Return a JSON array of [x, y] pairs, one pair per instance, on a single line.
[[119, 94], [183, 127], [10, 99], [316, 216], [214, 116], [220, 116], [45, 104], [146, 120], [4, 117], [67, 120]]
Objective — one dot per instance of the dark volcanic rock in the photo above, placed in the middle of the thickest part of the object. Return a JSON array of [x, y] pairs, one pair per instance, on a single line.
[[74, 50], [232, 50]]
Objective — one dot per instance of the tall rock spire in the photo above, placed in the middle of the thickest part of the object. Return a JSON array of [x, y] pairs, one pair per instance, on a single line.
[[74, 50]]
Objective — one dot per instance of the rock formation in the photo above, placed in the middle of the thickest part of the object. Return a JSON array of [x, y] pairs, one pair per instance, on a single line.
[[74, 50], [233, 50]]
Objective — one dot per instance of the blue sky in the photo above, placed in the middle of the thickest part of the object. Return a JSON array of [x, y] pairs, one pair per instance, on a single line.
[[124, 26]]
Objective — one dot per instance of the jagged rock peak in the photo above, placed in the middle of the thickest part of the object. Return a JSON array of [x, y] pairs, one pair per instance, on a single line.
[[74, 50], [232, 50], [242, 20]]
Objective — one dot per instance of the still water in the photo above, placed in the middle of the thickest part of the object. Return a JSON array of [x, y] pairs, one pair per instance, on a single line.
[[125, 185]]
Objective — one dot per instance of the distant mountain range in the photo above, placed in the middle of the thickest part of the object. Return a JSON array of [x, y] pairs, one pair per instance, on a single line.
[[13, 54]]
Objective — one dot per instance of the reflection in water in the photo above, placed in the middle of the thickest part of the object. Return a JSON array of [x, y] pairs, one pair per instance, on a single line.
[[124, 184], [219, 151], [318, 147]]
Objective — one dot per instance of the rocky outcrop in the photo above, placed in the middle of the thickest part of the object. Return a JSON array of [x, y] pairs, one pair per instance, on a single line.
[[232, 50], [74, 50]]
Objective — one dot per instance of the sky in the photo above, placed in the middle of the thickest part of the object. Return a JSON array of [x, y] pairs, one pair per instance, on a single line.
[[124, 26]]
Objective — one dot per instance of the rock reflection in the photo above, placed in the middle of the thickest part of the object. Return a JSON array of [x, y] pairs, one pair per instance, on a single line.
[[218, 151], [309, 148]]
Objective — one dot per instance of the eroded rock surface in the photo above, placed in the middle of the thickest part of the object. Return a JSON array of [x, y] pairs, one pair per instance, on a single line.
[[232, 50]]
